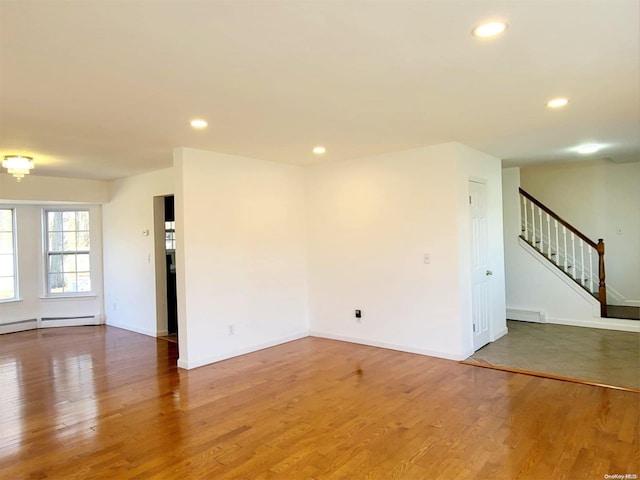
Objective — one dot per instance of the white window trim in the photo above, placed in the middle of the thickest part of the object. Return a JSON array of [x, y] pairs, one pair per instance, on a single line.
[[47, 295], [14, 231]]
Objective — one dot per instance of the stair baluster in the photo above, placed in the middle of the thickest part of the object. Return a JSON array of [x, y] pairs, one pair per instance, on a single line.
[[557, 244]]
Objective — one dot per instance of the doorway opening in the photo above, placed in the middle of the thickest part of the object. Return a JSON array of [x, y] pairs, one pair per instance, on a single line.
[[165, 261], [170, 261]]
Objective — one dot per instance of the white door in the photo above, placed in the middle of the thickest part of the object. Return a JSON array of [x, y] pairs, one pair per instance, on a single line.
[[480, 272]]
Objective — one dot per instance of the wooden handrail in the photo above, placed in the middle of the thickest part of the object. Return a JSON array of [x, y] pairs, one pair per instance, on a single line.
[[557, 217]]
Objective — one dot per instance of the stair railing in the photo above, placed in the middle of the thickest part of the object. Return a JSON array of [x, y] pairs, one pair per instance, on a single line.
[[570, 250]]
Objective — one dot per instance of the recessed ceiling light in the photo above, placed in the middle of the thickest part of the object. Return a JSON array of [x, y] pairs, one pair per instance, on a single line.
[[198, 123], [586, 149], [490, 29], [557, 102], [319, 150]]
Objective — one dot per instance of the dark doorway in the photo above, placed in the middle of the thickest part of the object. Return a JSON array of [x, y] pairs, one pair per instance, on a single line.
[[170, 259]]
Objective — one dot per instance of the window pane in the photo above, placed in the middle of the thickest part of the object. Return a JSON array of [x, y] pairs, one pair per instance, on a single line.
[[83, 241], [69, 241], [6, 288], [83, 221], [56, 283], [83, 262], [6, 265], [6, 242], [6, 220], [70, 282], [69, 263], [84, 282], [55, 242], [54, 221], [55, 263], [68, 221]]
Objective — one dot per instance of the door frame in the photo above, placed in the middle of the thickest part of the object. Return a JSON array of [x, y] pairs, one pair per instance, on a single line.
[[162, 313]]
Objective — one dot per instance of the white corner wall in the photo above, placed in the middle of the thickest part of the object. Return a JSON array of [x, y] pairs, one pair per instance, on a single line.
[[370, 222], [130, 279], [241, 255], [602, 199]]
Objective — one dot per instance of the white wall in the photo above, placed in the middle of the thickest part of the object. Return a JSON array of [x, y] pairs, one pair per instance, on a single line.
[[30, 198], [241, 255], [129, 256], [598, 197], [370, 222], [34, 188]]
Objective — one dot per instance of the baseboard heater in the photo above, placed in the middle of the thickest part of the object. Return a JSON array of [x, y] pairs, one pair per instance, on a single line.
[[19, 326], [46, 322], [49, 322]]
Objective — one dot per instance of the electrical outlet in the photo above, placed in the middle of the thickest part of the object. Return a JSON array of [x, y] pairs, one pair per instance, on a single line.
[[358, 315], [232, 329]]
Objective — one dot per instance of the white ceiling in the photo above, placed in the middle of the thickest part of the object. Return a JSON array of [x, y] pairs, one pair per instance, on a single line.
[[105, 89]]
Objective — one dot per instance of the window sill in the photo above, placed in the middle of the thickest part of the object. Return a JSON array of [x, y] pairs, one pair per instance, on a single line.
[[70, 296], [10, 300]]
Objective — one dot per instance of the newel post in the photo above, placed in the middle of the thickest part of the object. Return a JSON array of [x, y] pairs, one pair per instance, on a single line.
[[602, 288]]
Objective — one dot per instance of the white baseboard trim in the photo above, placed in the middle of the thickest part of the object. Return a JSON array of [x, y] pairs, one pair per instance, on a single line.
[[241, 351], [602, 323], [162, 333], [632, 303], [391, 346], [19, 326], [132, 328], [525, 315]]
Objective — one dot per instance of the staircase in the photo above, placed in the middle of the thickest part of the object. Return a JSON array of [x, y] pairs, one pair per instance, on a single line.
[[571, 251]]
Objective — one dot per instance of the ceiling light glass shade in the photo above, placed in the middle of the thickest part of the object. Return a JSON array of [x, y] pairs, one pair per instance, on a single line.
[[198, 123], [490, 29], [319, 150], [17, 165], [586, 149], [557, 102]]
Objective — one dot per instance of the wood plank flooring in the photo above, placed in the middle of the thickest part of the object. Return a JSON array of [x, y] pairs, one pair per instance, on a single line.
[[100, 402]]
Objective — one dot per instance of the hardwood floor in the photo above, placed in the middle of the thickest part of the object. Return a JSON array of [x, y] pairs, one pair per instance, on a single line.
[[100, 402]]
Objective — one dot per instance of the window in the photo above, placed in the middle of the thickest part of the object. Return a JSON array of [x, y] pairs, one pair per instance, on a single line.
[[67, 239], [170, 235], [8, 276]]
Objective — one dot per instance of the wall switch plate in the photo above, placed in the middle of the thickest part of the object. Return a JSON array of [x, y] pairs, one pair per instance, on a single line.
[[232, 329], [427, 258], [358, 314], [619, 230]]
